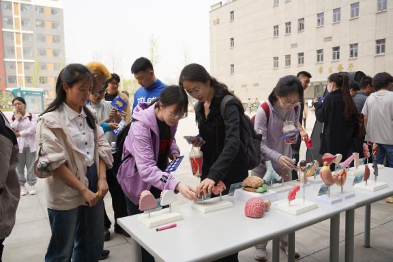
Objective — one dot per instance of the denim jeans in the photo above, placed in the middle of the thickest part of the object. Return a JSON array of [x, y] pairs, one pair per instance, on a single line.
[[77, 233], [385, 151]]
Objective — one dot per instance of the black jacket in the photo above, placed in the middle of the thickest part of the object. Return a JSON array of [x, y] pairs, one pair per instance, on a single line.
[[224, 157], [338, 133]]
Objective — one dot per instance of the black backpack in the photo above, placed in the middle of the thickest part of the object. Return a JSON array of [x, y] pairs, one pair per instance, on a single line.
[[250, 140], [117, 157]]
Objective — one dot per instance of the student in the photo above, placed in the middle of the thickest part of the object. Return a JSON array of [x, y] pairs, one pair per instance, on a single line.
[[151, 87], [353, 88], [24, 125], [9, 185], [338, 113], [224, 157], [73, 156], [283, 105], [113, 91], [148, 146]]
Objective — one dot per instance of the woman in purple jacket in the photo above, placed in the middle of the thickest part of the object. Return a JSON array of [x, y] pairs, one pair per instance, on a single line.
[[147, 147], [282, 103]]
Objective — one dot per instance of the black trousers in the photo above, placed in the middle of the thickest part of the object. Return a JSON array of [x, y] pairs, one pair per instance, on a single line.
[[1, 249], [118, 199]]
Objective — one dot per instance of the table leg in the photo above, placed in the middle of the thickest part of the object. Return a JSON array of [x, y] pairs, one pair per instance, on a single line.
[[276, 250], [349, 235], [136, 254], [367, 226], [291, 247], [334, 238]]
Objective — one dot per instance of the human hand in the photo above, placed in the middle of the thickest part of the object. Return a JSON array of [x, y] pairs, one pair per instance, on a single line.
[[18, 116], [375, 150], [102, 187], [90, 198], [175, 156], [205, 187], [112, 114], [286, 162], [113, 126], [17, 134], [303, 134], [186, 191]]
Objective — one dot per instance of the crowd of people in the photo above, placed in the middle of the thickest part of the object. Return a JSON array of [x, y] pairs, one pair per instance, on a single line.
[[73, 146]]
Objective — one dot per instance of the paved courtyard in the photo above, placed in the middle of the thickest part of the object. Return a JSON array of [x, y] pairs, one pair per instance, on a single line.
[[31, 234]]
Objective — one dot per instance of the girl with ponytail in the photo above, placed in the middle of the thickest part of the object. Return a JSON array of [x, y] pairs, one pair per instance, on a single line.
[[339, 115]]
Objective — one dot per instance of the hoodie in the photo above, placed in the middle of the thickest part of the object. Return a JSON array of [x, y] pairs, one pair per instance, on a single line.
[[359, 100], [139, 171], [379, 111], [146, 95]]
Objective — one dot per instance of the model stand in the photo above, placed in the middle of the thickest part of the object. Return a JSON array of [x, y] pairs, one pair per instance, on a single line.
[[296, 206]]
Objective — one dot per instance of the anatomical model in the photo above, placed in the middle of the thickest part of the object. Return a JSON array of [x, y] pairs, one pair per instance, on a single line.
[[271, 176], [147, 201], [327, 176], [217, 189], [167, 198], [292, 193], [255, 207], [341, 178]]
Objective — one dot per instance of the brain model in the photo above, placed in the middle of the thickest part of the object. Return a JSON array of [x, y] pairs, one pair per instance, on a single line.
[[252, 183], [255, 207]]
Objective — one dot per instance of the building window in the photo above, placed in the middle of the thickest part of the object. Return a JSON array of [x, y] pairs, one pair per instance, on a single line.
[[43, 66], [56, 39], [55, 25], [287, 28], [321, 19], [42, 52], [320, 55], [25, 8], [8, 36], [56, 53], [43, 80], [41, 38], [25, 22], [54, 11], [232, 69], [27, 38], [40, 23], [336, 15], [353, 50], [382, 5], [28, 66], [56, 66], [7, 21], [232, 42], [276, 2], [354, 10], [275, 31], [9, 51], [39, 9], [11, 79], [380, 46], [300, 58], [10, 65], [28, 52], [301, 25], [231, 16], [288, 60], [275, 62], [336, 53], [29, 80], [7, 5]]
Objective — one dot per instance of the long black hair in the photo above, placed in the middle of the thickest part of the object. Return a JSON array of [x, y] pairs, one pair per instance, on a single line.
[[70, 75], [285, 86], [197, 73], [174, 95], [342, 82]]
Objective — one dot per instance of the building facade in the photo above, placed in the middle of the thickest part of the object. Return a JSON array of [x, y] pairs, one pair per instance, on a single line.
[[255, 42], [31, 44]]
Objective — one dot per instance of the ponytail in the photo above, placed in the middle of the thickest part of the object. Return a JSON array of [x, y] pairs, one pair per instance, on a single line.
[[342, 82]]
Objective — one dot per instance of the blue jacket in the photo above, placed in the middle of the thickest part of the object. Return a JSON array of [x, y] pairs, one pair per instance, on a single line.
[[146, 95]]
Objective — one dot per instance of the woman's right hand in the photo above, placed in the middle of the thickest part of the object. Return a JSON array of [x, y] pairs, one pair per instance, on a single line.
[[113, 126], [286, 162], [186, 191], [90, 197]]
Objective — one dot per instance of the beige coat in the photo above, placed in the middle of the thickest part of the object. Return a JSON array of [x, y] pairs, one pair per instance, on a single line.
[[9, 184], [55, 148]]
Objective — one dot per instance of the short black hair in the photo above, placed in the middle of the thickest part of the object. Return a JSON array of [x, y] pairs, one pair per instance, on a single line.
[[304, 73], [366, 81], [382, 80], [141, 64], [21, 99], [354, 86], [114, 76]]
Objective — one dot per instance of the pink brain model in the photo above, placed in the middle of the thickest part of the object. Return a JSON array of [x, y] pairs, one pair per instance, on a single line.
[[255, 207]]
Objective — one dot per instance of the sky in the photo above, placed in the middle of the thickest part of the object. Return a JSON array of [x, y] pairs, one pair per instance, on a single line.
[[117, 32]]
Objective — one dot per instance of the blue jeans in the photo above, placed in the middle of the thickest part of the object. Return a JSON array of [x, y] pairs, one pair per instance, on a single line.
[[385, 151], [79, 232]]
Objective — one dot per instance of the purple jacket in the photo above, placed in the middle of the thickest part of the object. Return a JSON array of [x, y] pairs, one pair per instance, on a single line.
[[273, 146], [139, 171]]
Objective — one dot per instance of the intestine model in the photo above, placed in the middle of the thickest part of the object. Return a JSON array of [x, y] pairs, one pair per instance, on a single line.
[[271, 176], [292, 193]]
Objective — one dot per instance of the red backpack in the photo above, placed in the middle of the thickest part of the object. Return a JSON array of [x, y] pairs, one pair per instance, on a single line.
[[265, 107]]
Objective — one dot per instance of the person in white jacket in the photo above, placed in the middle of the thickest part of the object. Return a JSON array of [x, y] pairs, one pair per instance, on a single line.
[[24, 126]]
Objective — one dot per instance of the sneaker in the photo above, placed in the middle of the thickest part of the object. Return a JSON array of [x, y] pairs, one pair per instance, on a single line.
[[389, 200], [260, 254], [23, 191], [32, 190], [107, 235], [104, 254], [285, 249]]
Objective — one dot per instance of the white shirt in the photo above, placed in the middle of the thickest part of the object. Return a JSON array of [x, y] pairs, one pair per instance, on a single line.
[[81, 133]]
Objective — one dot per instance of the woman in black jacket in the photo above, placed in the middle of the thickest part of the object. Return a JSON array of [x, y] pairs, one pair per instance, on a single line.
[[338, 113]]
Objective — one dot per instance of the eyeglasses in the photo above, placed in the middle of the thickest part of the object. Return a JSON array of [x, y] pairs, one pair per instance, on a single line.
[[195, 90], [289, 103]]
